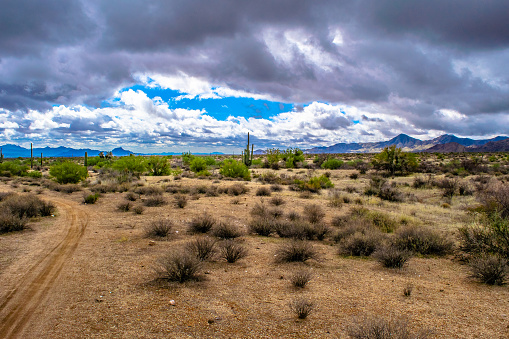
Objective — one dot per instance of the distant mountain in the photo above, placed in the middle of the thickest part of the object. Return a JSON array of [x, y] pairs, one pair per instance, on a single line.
[[120, 152], [405, 142], [450, 147], [492, 146], [14, 151]]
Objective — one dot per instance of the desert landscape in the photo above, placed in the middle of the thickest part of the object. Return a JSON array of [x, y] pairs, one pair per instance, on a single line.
[[194, 253]]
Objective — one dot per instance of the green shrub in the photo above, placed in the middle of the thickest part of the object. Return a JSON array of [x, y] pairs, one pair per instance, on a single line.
[[235, 169], [198, 164], [68, 172], [13, 168], [332, 164], [158, 166], [491, 235], [134, 165]]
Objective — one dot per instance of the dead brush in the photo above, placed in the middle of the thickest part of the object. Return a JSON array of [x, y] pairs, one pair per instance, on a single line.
[[180, 200], [263, 192], [301, 307], [313, 213], [178, 267], [380, 328], [225, 230], [296, 251], [155, 201], [232, 251], [277, 200], [202, 247], [159, 229], [300, 278], [201, 224]]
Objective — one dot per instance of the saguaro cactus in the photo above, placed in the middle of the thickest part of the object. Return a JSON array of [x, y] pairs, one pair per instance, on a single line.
[[1, 156], [41, 159], [31, 156], [86, 159], [247, 154]]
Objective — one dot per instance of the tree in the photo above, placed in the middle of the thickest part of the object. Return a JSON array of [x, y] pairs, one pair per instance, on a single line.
[[394, 160], [68, 172], [159, 166], [134, 165]]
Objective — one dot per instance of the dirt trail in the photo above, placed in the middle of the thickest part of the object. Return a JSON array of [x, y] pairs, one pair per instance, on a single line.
[[33, 288]]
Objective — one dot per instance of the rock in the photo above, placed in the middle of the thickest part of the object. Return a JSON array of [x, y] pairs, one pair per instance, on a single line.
[[151, 243], [172, 302]]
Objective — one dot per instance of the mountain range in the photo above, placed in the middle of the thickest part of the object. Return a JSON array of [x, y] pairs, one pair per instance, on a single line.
[[445, 143], [409, 144]]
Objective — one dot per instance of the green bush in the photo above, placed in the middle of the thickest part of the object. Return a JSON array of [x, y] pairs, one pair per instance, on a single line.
[[198, 164], [332, 164], [235, 169], [68, 172], [13, 168], [90, 198], [314, 184], [135, 165], [158, 166]]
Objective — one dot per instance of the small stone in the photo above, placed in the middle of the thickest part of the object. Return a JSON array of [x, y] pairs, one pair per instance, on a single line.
[[172, 302], [211, 321], [151, 243]]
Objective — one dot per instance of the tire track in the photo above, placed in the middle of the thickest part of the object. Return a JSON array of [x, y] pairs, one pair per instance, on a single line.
[[33, 287]]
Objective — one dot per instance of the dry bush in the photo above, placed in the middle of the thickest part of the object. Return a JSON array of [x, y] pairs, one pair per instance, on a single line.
[[276, 188], [263, 192], [296, 251], [491, 235], [300, 278], [179, 266], [212, 191], [259, 210], [138, 209], [159, 229], [67, 188], [391, 256], [314, 213], [26, 206], [306, 195], [293, 216], [124, 206], [380, 328], [131, 196], [155, 201], [202, 247], [237, 189], [277, 200], [301, 307], [261, 225], [496, 198], [489, 269], [335, 199], [382, 221], [5, 195], [232, 251], [11, 223], [225, 230], [201, 224], [360, 243], [149, 190], [423, 240], [180, 200]]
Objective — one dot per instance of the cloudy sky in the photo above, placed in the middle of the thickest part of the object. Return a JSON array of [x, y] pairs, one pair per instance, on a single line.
[[178, 75]]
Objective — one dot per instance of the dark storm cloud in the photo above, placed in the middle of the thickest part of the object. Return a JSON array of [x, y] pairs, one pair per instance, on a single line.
[[406, 58]]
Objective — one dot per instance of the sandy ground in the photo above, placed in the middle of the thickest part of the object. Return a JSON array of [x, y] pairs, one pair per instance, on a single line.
[[88, 272]]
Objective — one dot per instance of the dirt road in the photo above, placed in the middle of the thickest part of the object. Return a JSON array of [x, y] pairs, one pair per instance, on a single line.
[[30, 291]]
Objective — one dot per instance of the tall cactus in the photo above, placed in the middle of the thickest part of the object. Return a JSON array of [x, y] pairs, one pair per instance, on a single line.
[[1, 156], [247, 154], [86, 159], [41, 159], [31, 156]]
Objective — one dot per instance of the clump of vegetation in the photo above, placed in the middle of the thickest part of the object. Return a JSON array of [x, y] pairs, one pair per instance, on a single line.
[[131, 196], [391, 256], [381, 188], [234, 169], [332, 164], [301, 307], [237, 189], [361, 242], [180, 200], [263, 192], [124, 206], [159, 229], [296, 251], [11, 223], [489, 269], [90, 198], [225, 230], [26, 206], [201, 224], [300, 278], [158, 166], [423, 240], [380, 328], [263, 226], [277, 200], [155, 201], [314, 184], [178, 267], [314, 213], [394, 160], [232, 250], [138, 209], [149, 190], [202, 247], [68, 172]]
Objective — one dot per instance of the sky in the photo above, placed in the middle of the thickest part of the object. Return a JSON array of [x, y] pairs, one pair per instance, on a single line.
[[180, 75]]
